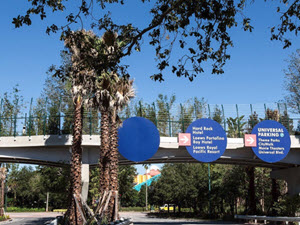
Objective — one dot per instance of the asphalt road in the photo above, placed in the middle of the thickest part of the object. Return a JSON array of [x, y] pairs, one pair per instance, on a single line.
[[30, 218], [140, 218]]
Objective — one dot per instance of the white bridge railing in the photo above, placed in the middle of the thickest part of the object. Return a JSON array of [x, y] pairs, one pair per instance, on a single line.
[[268, 218]]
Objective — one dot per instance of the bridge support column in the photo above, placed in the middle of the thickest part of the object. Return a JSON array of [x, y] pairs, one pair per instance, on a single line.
[[85, 179], [291, 176]]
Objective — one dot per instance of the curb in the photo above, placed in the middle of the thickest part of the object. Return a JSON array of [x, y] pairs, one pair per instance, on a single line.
[[122, 221]]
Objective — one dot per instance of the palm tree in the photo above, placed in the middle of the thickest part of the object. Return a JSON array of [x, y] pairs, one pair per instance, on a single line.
[[124, 91], [82, 76]]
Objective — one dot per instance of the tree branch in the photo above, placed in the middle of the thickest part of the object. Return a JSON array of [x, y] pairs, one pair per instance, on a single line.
[[157, 23]]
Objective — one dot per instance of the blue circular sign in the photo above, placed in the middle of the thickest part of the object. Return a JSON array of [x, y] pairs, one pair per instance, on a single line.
[[273, 141], [208, 140], [138, 139]]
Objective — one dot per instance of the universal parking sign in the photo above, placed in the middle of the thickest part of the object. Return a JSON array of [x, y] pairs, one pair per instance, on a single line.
[[273, 141]]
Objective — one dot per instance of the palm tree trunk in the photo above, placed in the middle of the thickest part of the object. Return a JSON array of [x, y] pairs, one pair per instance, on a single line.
[[2, 178], [114, 165], [104, 150], [75, 174]]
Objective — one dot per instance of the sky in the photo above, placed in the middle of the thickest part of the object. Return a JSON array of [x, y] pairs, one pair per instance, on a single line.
[[254, 74]]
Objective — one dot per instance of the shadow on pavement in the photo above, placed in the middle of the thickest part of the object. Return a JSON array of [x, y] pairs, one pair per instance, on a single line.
[[179, 223], [36, 221]]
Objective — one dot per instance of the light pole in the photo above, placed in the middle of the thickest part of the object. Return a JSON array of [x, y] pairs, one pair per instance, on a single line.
[[146, 168]]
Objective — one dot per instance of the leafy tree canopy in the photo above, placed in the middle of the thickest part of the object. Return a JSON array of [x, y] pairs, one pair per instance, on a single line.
[[200, 28]]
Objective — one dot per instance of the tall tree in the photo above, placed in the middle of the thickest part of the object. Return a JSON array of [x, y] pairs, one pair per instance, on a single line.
[[292, 81], [164, 116], [200, 28], [81, 46]]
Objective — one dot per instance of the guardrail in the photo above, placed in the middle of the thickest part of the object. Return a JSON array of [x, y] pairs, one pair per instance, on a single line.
[[268, 218]]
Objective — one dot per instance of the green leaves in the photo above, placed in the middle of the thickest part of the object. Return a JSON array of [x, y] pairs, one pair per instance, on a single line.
[[199, 28]]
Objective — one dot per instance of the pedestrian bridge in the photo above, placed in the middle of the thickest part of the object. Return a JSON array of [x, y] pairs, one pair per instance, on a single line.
[[55, 150]]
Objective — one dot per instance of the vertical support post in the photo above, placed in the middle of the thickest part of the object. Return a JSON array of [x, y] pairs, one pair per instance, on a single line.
[[155, 113], [265, 106], [279, 113], [45, 117], [195, 112], [59, 116], [209, 189], [298, 107], [169, 119], [11, 126], [140, 109], [85, 179], [239, 124], [47, 201], [224, 120], [182, 118], [5, 200], [208, 106], [288, 118], [29, 128], [15, 118], [1, 117], [90, 122], [252, 122], [146, 194], [25, 125]]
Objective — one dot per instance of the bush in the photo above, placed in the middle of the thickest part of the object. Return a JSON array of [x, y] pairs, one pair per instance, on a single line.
[[19, 209], [3, 218]]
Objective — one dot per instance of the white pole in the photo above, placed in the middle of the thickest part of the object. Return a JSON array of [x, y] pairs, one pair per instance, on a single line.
[[47, 201]]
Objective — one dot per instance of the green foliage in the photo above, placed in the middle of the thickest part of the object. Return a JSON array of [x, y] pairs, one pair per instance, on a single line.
[[133, 209], [128, 196], [3, 218], [21, 209], [28, 186], [201, 29], [164, 105], [11, 105], [236, 127], [181, 184], [292, 81], [288, 206], [217, 115]]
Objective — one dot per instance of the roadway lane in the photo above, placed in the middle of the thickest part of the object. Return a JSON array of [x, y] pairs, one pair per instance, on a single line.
[[39, 218], [140, 218]]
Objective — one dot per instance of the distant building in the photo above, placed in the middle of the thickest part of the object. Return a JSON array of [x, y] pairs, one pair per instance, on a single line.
[[153, 171]]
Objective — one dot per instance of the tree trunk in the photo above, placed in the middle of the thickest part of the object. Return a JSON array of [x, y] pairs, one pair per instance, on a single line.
[[274, 197], [113, 165], [251, 190], [104, 162], [73, 212], [2, 178]]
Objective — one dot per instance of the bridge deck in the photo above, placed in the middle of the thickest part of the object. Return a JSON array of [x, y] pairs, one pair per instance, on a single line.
[[55, 150]]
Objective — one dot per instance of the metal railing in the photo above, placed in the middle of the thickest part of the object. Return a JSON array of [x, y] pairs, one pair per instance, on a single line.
[[268, 218], [236, 119]]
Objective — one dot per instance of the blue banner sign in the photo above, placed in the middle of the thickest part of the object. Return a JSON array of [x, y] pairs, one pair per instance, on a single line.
[[138, 139], [273, 141], [208, 140]]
